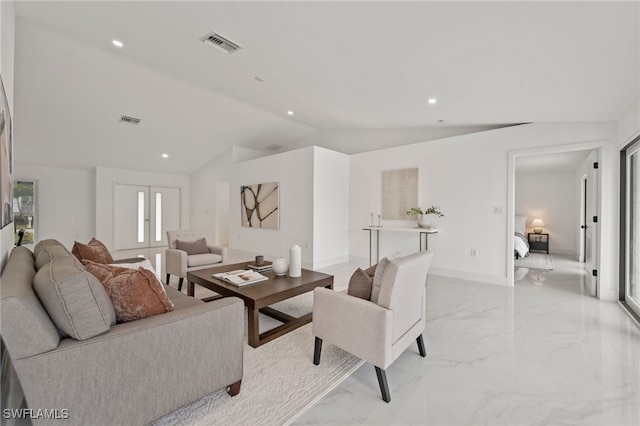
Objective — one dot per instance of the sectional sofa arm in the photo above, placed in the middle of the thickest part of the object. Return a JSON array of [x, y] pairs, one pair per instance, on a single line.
[[173, 359], [222, 251], [369, 325]]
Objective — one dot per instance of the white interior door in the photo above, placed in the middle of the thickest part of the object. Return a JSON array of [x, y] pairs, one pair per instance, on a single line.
[[591, 231], [142, 215]]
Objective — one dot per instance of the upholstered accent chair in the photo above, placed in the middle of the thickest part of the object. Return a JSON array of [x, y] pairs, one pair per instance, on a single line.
[[381, 329], [197, 256]]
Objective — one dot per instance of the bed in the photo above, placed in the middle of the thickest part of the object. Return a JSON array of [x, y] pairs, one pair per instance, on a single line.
[[520, 243]]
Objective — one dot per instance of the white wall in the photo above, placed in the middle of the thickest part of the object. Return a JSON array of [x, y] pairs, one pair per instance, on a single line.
[[467, 177], [314, 205], [65, 202], [204, 191], [330, 207], [107, 177], [629, 124], [7, 48], [553, 197], [294, 171]]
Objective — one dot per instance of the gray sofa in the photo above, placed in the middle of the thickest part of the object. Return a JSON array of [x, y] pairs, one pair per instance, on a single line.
[[131, 374]]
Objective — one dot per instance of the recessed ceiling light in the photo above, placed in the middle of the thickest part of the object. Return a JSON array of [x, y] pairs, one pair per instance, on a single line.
[[432, 101], [165, 155], [117, 43], [290, 112]]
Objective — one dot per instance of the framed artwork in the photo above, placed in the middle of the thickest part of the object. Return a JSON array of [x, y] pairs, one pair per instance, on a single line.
[[6, 162], [260, 205], [399, 192]]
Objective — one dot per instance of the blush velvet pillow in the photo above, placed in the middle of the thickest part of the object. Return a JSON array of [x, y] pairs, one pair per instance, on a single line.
[[193, 247], [95, 251], [135, 294]]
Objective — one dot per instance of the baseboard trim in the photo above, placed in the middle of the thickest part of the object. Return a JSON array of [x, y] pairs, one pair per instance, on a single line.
[[470, 276], [330, 262]]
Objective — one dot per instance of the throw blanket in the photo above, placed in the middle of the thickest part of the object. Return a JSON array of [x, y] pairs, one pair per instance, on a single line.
[[520, 244]]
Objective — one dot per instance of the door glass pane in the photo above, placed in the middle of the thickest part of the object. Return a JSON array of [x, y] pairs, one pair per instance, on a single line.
[[158, 216], [634, 228], [140, 216]]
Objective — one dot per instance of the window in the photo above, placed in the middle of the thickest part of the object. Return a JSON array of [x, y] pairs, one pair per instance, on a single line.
[[630, 228], [24, 210]]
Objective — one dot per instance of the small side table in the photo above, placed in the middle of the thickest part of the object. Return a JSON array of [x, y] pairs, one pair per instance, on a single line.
[[538, 242]]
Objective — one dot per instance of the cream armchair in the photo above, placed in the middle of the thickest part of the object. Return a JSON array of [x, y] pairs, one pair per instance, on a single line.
[[179, 262], [381, 329]]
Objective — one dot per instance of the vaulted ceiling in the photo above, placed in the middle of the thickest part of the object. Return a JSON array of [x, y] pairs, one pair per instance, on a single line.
[[356, 75]]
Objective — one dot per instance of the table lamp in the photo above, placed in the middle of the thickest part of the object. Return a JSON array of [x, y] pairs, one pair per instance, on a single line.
[[537, 224]]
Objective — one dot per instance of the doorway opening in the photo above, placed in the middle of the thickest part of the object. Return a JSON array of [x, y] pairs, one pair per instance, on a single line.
[[558, 188], [142, 216]]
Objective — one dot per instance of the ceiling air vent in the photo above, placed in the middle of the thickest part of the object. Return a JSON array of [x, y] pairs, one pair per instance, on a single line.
[[219, 42], [130, 120]]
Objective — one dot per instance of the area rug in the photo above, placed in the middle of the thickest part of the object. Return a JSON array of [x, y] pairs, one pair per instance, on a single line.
[[535, 261], [279, 382]]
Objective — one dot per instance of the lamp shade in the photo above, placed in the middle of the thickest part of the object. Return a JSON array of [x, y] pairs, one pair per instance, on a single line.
[[537, 222], [537, 225]]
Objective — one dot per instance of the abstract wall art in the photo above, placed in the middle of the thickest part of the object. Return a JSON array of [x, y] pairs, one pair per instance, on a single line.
[[399, 192], [260, 205], [6, 163]]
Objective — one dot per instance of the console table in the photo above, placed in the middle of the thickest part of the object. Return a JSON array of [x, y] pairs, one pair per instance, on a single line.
[[377, 229]]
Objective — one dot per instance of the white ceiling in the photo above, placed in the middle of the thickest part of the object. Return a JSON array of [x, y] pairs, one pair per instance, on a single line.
[[342, 67]]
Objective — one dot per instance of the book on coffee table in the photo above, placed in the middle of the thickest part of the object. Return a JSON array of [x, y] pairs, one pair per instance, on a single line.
[[241, 277], [260, 268]]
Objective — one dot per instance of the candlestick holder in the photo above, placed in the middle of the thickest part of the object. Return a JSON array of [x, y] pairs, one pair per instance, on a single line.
[[379, 225], [371, 223]]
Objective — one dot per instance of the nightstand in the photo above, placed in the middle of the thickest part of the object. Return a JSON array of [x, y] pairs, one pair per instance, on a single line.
[[538, 242]]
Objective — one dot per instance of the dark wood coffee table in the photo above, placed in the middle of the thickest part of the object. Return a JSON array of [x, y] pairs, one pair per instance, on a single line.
[[257, 297]]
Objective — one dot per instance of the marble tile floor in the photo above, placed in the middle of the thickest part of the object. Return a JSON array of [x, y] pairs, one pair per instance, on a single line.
[[543, 352]]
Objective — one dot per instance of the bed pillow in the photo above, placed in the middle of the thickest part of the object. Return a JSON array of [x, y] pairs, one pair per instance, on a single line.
[[193, 247], [135, 294]]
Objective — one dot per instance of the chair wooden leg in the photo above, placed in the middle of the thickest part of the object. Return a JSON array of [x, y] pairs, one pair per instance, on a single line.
[[168, 278], [384, 386], [316, 350], [180, 284], [420, 341], [234, 388]]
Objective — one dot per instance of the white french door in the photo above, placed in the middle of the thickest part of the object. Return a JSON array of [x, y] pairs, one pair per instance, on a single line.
[[632, 261], [143, 214]]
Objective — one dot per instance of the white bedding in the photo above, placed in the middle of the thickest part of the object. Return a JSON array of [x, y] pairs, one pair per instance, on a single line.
[[520, 245]]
